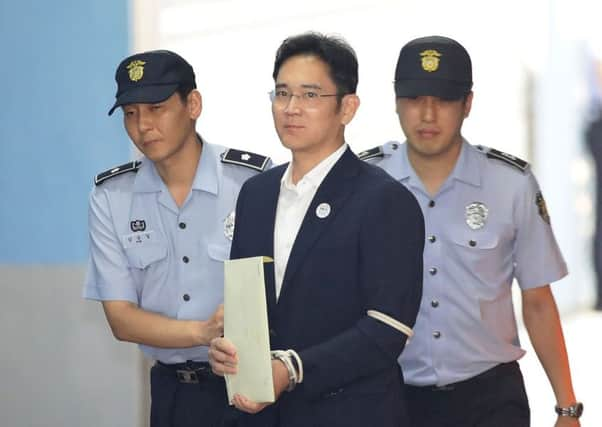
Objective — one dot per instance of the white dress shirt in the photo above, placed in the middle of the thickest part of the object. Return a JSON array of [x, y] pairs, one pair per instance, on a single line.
[[293, 202]]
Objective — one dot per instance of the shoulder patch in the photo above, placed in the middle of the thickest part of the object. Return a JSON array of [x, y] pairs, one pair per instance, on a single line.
[[520, 164], [245, 158], [117, 170], [371, 153]]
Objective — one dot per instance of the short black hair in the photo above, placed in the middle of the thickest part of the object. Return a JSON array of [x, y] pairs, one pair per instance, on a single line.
[[334, 51]]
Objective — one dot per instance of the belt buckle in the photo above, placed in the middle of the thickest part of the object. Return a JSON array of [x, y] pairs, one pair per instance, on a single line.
[[186, 376]]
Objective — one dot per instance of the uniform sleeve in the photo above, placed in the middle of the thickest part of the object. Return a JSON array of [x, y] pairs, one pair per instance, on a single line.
[[537, 257], [108, 276], [392, 243]]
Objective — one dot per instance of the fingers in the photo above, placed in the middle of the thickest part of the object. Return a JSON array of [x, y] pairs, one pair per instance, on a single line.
[[246, 405], [219, 312], [222, 356]]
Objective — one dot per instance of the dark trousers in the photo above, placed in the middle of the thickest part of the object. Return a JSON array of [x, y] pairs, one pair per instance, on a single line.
[[189, 395], [495, 398]]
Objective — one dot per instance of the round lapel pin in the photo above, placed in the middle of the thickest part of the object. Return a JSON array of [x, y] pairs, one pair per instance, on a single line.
[[323, 210]]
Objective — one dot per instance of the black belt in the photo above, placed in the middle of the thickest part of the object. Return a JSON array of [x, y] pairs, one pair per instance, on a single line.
[[497, 371], [189, 372]]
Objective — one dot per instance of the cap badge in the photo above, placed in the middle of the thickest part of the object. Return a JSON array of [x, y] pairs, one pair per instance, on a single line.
[[136, 70], [430, 60], [476, 215], [246, 157]]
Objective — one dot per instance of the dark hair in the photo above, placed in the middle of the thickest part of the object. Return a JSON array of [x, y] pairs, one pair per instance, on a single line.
[[334, 51], [184, 90]]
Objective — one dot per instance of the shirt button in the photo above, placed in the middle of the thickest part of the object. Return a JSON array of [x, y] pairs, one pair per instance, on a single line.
[[433, 271], [394, 146], [436, 334], [431, 203], [185, 259], [432, 239], [182, 225], [472, 243], [434, 303], [186, 297]]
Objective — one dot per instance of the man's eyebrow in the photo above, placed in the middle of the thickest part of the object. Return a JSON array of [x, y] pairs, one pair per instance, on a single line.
[[304, 85], [311, 86]]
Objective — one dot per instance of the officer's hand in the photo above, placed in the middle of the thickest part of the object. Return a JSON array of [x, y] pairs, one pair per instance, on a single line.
[[567, 422], [222, 356], [280, 376], [214, 326]]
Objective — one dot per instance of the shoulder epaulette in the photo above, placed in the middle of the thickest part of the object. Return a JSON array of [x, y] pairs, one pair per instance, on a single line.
[[245, 158], [508, 158], [371, 153], [118, 170]]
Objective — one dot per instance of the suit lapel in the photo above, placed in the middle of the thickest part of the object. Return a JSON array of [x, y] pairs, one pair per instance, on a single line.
[[334, 191], [269, 205]]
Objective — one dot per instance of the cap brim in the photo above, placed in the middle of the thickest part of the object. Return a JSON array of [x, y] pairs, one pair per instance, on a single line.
[[144, 95], [439, 88]]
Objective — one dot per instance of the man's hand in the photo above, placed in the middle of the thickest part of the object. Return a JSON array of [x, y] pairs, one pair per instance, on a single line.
[[567, 422], [280, 377], [213, 327], [222, 356]]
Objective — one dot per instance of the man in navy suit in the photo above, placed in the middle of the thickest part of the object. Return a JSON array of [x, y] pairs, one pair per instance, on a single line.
[[347, 244]]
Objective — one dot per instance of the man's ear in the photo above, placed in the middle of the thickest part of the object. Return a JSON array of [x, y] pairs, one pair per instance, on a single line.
[[194, 104], [468, 104], [349, 105]]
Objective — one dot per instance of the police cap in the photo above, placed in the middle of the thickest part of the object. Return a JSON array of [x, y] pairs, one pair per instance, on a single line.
[[151, 77], [433, 66]]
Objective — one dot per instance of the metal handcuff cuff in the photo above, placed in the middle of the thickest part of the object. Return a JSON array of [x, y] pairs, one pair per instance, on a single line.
[[293, 364]]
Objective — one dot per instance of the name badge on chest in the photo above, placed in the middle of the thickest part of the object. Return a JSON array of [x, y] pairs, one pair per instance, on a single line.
[[138, 239]]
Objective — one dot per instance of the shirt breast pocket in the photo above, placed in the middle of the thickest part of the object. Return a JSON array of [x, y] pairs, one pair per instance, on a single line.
[[218, 252], [144, 256], [477, 258]]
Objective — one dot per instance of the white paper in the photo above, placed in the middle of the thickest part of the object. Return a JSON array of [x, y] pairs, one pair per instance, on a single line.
[[246, 325]]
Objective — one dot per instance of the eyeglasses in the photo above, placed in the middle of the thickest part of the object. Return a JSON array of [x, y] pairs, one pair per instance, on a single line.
[[308, 98]]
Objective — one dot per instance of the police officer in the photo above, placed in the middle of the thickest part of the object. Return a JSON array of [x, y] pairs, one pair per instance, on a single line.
[[160, 228], [486, 225]]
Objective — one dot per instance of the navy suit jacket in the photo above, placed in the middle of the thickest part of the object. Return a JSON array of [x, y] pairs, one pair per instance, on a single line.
[[366, 254]]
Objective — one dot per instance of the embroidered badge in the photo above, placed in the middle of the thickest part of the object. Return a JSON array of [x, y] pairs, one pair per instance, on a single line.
[[136, 70], [541, 207], [246, 157], [430, 60], [476, 215], [229, 226], [138, 225]]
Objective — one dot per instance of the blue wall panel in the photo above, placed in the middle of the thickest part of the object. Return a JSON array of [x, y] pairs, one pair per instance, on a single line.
[[56, 82]]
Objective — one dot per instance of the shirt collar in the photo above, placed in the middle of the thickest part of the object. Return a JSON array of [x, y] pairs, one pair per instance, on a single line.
[[206, 172], [205, 179], [467, 168], [147, 179], [315, 176]]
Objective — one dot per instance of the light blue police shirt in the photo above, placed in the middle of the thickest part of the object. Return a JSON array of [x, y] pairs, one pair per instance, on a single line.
[[164, 258], [486, 226]]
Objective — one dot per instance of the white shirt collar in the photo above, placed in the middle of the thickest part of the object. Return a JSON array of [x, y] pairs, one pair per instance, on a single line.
[[314, 177]]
